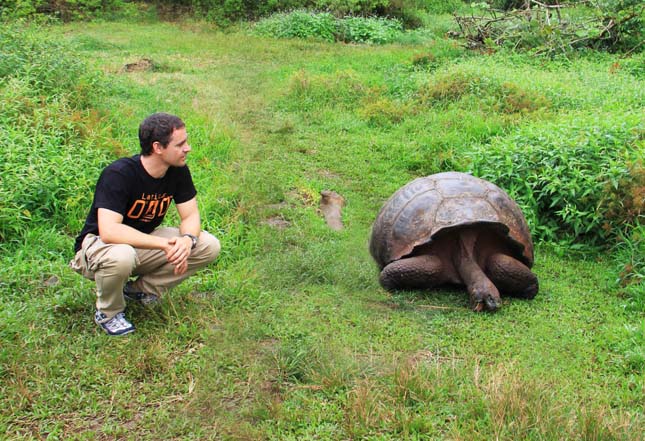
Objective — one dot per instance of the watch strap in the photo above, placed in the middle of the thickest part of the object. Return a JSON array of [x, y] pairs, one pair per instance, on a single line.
[[193, 238]]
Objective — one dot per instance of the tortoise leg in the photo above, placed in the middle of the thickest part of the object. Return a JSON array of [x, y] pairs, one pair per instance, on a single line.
[[484, 295], [418, 272], [511, 276]]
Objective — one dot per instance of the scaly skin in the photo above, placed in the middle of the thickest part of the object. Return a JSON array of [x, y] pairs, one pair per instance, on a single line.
[[511, 276], [473, 257], [419, 272], [483, 293]]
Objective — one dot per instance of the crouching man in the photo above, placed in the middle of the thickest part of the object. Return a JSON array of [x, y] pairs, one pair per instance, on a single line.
[[121, 237]]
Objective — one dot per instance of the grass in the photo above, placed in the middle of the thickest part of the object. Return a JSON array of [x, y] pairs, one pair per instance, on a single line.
[[289, 335]]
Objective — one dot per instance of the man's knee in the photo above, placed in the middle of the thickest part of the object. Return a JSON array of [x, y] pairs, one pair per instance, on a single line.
[[120, 259], [209, 246]]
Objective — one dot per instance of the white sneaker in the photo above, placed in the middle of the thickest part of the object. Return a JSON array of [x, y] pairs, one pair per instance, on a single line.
[[117, 325]]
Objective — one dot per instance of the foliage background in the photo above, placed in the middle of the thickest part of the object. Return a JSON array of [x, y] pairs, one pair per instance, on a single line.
[[289, 335]]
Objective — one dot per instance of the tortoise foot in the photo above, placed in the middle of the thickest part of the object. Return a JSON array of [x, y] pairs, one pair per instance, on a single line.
[[418, 272], [511, 276]]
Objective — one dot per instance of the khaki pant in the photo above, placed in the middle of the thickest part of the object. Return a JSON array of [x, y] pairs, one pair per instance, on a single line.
[[111, 265]]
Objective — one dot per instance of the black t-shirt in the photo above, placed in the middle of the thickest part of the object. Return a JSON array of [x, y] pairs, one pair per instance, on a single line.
[[126, 188]]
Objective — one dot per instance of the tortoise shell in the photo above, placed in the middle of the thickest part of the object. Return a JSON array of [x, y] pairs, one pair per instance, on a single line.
[[439, 204]]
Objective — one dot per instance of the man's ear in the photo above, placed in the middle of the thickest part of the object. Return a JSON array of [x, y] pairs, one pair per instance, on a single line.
[[157, 147]]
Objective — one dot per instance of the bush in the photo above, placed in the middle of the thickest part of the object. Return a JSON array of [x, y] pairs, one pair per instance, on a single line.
[[45, 93], [382, 111], [516, 4], [505, 97], [560, 175], [368, 30], [224, 12], [324, 26], [44, 66], [66, 10], [299, 24], [440, 6], [342, 7]]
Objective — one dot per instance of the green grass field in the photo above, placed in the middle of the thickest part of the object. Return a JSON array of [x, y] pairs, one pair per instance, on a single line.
[[289, 335]]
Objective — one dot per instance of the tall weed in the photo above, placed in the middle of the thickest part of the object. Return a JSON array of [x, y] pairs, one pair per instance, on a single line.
[[308, 91], [45, 92], [629, 255]]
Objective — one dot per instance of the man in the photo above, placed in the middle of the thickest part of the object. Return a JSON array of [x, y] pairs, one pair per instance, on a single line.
[[121, 237]]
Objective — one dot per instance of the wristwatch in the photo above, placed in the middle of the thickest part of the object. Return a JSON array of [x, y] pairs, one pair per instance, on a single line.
[[193, 238]]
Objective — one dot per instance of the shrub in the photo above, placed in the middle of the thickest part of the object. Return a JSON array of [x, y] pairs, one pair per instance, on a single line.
[[299, 24], [342, 7], [66, 10], [368, 30], [324, 26], [516, 4], [440, 6], [45, 93], [560, 175], [224, 12], [382, 111], [505, 97]]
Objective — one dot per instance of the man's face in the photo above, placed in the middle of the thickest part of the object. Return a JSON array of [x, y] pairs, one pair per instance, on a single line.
[[175, 153]]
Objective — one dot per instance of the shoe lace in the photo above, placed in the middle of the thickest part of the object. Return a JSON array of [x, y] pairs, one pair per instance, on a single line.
[[118, 322]]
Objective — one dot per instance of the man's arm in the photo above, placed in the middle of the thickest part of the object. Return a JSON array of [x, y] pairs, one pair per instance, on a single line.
[[190, 224], [112, 230], [189, 215]]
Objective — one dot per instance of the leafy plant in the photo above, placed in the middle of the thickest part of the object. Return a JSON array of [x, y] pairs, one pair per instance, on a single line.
[[44, 93], [368, 30], [382, 111], [559, 174], [506, 97], [324, 26], [299, 24], [66, 10]]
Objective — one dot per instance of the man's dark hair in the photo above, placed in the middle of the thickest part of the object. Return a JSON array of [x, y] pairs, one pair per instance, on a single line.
[[157, 127]]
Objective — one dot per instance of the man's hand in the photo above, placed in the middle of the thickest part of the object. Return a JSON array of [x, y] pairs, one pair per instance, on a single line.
[[177, 252], [181, 268]]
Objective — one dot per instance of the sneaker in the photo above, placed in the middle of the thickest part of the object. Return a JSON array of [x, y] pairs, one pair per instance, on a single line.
[[141, 297], [117, 325]]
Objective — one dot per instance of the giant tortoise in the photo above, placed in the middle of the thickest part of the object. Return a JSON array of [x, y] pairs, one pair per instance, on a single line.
[[454, 228]]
